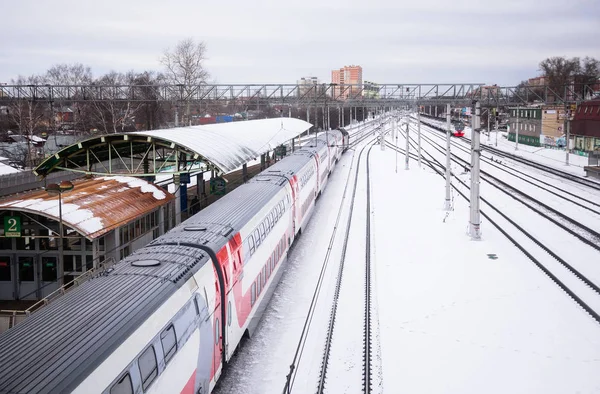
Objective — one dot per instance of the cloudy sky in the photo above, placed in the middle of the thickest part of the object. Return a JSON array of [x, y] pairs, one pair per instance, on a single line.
[[266, 41]]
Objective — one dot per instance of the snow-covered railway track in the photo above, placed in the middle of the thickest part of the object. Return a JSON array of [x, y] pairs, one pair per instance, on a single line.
[[547, 169], [577, 199], [342, 356], [578, 287], [577, 229]]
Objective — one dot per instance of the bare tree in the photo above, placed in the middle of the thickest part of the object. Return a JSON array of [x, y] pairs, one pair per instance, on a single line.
[[72, 74], [114, 109], [69, 74], [588, 75], [184, 66], [559, 72], [151, 113], [28, 116]]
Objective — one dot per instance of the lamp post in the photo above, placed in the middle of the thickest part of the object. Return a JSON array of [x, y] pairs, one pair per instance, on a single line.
[[54, 189]]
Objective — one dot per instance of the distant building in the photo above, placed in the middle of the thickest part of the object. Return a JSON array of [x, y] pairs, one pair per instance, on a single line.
[[585, 126], [348, 75], [537, 81], [370, 90], [310, 86], [527, 121], [553, 122]]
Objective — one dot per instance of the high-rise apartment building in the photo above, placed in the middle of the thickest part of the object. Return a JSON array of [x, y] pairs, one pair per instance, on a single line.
[[348, 75], [309, 86]]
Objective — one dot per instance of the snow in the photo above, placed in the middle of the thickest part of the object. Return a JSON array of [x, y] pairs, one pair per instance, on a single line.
[[6, 169], [73, 215], [447, 317], [144, 186], [229, 145]]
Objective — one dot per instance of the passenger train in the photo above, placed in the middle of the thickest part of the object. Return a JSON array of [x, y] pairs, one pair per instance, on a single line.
[[169, 317], [457, 128]]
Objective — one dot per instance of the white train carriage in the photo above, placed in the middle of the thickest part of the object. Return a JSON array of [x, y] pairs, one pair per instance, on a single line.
[[169, 317]]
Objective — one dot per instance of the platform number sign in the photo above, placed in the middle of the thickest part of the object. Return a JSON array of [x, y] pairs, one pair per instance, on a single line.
[[12, 226]]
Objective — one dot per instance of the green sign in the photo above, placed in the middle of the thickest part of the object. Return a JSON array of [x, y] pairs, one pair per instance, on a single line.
[[280, 150], [12, 226]]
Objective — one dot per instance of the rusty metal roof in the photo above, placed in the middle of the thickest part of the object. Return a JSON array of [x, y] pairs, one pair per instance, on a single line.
[[95, 206]]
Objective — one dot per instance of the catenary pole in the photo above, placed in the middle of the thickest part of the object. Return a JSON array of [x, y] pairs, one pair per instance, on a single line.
[[447, 205], [567, 114], [474, 218], [517, 132], [407, 147], [496, 127], [419, 137]]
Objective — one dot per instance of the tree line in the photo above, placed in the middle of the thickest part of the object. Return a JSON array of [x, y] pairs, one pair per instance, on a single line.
[[564, 78]]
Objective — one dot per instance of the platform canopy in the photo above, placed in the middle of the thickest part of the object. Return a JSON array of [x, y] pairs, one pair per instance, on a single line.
[[94, 206], [224, 147]]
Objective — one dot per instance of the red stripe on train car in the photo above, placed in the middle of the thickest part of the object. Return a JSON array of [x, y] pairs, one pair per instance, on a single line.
[[189, 386]]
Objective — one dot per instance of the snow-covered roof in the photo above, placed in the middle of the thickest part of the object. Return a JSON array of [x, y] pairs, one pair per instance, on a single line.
[[94, 206], [230, 145], [6, 169], [226, 146]]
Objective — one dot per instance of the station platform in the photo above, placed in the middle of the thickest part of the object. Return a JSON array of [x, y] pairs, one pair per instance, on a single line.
[[592, 171]]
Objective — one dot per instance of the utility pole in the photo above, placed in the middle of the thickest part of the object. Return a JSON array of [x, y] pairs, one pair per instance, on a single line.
[[176, 116], [407, 147], [517, 132], [474, 218], [419, 137], [447, 205], [568, 115], [488, 128], [496, 126], [395, 126]]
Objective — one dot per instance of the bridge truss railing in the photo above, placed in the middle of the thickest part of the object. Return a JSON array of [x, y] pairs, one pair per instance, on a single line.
[[303, 95]]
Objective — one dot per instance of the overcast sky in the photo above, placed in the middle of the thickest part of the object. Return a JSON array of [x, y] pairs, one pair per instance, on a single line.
[[265, 41]]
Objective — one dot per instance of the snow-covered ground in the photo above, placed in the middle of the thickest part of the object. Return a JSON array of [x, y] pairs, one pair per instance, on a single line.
[[452, 315], [547, 156]]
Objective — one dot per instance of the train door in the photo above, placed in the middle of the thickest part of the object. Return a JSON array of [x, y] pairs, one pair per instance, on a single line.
[[26, 277], [217, 342], [49, 274], [6, 278]]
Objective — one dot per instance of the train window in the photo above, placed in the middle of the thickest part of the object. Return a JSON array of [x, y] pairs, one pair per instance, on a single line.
[[262, 231], [253, 294], [148, 367], [258, 282], [229, 313], [257, 237], [251, 244], [123, 386], [169, 342], [269, 223], [274, 218], [197, 306], [264, 275]]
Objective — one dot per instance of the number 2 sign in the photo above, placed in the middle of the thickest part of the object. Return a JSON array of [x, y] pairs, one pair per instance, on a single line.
[[12, 226]]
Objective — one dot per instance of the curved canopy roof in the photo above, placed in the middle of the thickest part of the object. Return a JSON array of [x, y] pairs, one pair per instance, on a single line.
[[226, 146], [94, 206]]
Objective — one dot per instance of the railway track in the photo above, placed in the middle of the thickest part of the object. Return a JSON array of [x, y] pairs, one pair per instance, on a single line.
[[334, 242], [348, 316], [579, 230], [573, 282], [554, 189]]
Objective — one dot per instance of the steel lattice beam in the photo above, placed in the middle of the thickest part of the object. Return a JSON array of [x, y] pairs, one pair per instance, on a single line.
[[302, 95]]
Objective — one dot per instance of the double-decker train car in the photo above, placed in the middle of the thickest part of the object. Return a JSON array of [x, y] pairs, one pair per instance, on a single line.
[[169, 317]]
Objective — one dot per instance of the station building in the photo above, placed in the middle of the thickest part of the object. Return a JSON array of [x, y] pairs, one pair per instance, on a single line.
[[116, 204], [103, 219]]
